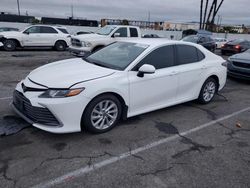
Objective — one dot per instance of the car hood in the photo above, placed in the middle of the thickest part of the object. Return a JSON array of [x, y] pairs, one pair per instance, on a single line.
[[66, 73], [244, 57], [88, 37]]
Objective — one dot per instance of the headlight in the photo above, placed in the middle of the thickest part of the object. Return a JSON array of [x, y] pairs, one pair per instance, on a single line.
[[61, 93], [86, 44]]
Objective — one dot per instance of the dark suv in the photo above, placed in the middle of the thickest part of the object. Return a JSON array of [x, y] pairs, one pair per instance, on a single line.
[[203, 40]]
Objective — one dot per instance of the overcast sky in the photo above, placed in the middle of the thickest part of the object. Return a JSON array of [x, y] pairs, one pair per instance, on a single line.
[[232, 11]]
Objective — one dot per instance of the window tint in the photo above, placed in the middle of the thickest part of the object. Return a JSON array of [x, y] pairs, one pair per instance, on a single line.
[[133, 32], [160, 58], [201, 56], [48, 30], [186, 54], [34, 29], [63, 30], [123, 32]]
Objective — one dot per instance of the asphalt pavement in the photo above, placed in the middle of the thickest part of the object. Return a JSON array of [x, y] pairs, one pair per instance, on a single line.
[[188, 145]]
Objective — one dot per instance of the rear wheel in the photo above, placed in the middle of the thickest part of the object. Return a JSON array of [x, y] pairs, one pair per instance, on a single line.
[[9, 45], [102, 114], [60, 46], [208, 91]]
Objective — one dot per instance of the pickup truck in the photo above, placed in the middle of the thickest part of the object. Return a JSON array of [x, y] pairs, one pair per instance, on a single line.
[[82, 45], [36, 36]]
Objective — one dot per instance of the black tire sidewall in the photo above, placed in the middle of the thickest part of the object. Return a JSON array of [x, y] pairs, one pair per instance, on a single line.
[[201, 98], [86, 118], [60, 43], [13, 44]]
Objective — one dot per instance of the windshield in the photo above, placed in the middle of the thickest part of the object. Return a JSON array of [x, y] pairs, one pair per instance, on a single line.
[[117, 55], [193, 39], [106, 30]]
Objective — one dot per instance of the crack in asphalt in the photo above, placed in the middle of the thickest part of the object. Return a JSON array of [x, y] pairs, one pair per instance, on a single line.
[[155, 172], [169, 128], [134, 155], [4, 170]]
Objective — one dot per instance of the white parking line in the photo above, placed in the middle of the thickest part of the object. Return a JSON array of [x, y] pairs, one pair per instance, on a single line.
[[84, 170], [5, 98]]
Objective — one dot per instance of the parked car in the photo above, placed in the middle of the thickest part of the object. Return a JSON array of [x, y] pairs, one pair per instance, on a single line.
[[151, 36], [2, 29], [235, 46], [1, 44], [36, 36], [82, 45], [203, 40], [220, 42], [121, 80], [239, 65]]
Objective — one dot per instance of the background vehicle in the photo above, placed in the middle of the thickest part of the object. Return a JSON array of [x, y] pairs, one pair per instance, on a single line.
[[36, 36], [88, 43], [203, 40], [121, 80], [235, 46], [220, 42], [151, 36], [2, 29], [239, 65]]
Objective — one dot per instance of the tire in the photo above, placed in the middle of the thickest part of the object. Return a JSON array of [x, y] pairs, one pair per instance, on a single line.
[[208, 91], [9, 45], [95, 119], [60, 46]]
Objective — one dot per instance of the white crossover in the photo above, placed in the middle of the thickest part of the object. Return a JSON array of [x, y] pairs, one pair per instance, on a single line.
[[36, 36], [119, 81]]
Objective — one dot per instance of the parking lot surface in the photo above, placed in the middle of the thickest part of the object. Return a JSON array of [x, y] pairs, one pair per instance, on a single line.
[[188, 145]]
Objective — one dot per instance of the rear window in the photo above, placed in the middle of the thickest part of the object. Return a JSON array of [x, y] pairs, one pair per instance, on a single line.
[[63, 30], [48, 30], [235, 42], [133, 32]]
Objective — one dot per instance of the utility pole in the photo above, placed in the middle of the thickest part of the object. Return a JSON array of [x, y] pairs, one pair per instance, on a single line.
[[205, 15], [201, 12], [18, 7], [72, 11], [148, 16]]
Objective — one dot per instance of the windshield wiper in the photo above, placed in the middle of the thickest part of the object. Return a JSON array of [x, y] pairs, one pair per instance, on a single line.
[[101, 65]]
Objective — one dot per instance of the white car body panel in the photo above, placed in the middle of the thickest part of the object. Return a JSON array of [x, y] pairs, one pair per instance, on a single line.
[[165, 87]]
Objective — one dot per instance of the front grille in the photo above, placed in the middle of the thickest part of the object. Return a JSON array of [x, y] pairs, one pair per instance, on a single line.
[[242, 65], [36, 114], [76, 42]]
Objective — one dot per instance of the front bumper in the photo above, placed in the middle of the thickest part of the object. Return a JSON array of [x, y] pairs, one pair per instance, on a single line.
[[238, 72], [62, 115], [79, 52]]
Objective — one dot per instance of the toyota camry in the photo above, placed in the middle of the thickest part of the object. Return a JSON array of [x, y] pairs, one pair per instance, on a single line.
[[122, 80]]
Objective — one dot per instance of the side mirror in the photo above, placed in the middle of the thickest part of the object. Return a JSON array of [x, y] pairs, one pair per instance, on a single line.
[[146, 69], [117, 35], [26, 32]]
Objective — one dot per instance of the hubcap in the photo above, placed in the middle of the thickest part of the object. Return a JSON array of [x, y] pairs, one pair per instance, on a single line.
[[104, 114], [209, 91]]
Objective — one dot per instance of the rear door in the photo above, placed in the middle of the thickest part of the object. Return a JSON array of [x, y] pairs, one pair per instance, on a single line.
[[48, 36], [190, 67]]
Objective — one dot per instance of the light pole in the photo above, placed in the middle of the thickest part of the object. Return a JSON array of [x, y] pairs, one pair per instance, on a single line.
[[18, 6]]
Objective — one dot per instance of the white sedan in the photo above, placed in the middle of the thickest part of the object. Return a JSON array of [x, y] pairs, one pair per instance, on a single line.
[[119, 81]]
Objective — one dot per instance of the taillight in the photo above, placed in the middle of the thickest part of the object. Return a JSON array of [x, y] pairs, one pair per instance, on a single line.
[[223, 45], [237, 47]]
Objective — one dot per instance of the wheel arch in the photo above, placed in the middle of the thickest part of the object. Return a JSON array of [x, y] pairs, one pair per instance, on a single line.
[[61, 40], [118, 96], [16, 40]]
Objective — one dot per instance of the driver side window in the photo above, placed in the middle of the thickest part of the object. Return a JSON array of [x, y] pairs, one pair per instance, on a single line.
[[34, 29], [122, 31], [162, 57]]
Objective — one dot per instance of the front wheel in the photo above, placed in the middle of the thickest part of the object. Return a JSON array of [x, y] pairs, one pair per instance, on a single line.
[[60, 46], [102, 114], [9, 45], [208, 91]]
